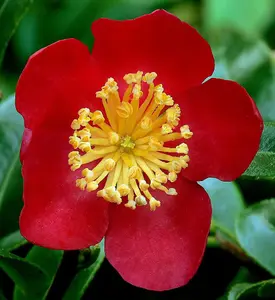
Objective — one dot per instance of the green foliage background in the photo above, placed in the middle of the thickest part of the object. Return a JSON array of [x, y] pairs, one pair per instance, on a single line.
[[240, 259]]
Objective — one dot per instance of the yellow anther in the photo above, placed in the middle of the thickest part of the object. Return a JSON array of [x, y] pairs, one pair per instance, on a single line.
[[84, 112], [73, 154], [134, 172], [185, 132], [124, 110], [183, 162], [182, 148], [173, 115], [111, 85], [84, 134], [123, 189], [140, 200], [75, 125], [137, 93], [154, 204], [172, 192], [74, 141], [149, 77], [97, 117], [92, 186], [164, 99], [158, 88], [146, 123], [109, 164], [161, 177], [74, 160], [175, 165], [133, 77], [166, 128], [81, 183], [143, 185], [103, 94], [167, 100], [103, 194], [116, 197], [113, 138], [88, 174], [131, 204], [85, 146], [154, 184], [172, 176], [111, 190], [84, 118], [185, 158]]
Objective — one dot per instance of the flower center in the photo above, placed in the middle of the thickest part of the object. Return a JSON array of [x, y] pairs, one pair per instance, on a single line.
[[127, 143], [130, 147]]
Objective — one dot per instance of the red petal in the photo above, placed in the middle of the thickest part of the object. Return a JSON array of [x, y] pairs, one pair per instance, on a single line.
[[157, 42], [227, 129], [160, 250], [26, 139], [56, 213], [57, 81]]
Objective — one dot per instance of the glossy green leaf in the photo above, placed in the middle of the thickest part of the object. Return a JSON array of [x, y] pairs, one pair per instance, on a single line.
[[11, 13], [12, 241], [236, 290], [248, 16], [255, 230], [31, 280], [11, 128], [48, 261], [227, 203], [242, 276], [84, 277], [260, 290], [263, 165]]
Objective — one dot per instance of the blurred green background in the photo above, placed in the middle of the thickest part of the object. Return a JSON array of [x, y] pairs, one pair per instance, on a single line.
[[242, 36]]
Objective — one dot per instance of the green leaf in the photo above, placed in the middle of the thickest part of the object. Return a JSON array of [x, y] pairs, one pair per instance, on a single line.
[[12, 241], [11, 13], [245, 291], [236, 290], [31, 280], [255, 232], [84, 277], [48, 261], [250, 17], [11, 128], [227, 203], [263, 165]]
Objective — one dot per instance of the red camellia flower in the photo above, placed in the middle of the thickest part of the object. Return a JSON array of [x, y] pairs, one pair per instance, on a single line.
[[115, 141]]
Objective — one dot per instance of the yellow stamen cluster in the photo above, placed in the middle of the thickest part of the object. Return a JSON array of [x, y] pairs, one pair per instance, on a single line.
[[130, 145]]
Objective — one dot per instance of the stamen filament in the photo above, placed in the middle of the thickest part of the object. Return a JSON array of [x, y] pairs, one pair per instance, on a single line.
[[110, 115], [99, 141], [146, 102], [171, 137], [95, 131]]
